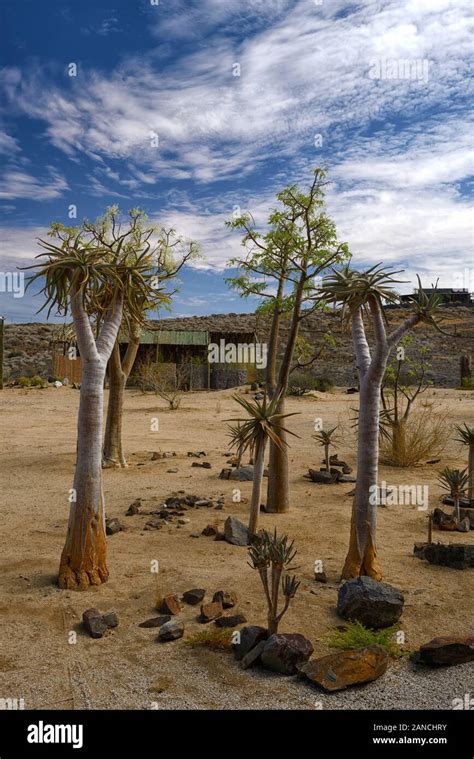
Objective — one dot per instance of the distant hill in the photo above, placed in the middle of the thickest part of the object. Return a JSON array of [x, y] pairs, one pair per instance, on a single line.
[[28, 347]]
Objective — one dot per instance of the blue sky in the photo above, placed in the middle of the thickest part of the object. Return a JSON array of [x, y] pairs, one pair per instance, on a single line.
[[377, 91]]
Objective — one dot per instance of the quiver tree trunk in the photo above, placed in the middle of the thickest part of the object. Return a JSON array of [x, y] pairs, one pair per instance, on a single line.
[[113, 453], [398, 429], [84, 557], [278, 491], [259, 463], [470, 465]]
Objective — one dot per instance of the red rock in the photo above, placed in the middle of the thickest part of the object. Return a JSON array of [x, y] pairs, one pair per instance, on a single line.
[[170, 605], [228, 598], [211, 611], [345, 668]]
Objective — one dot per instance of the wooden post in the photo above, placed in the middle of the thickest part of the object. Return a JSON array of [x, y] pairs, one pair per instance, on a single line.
[[430, 528], [2, 332]]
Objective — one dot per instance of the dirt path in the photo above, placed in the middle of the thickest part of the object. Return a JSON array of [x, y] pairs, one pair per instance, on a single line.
[[127, 668]]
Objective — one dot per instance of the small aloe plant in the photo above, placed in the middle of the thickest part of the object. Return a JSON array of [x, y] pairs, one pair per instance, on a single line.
[[455, 481], [272, 557], [466, 437], [327, 438]]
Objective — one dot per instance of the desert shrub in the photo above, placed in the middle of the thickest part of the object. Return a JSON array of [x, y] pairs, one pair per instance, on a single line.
[[355, 635], [219, 639], [424, 435], [302, 382], [23, 381], [164, 380], [37, 381], [467, 383]]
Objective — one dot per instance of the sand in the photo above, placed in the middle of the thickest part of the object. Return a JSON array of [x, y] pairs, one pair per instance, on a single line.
[[127, 668]]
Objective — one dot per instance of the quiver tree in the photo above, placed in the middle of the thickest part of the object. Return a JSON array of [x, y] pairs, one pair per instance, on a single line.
[[466, 437], [280, 269], [361, 296], [454, 481], [272, 556], [169, 253], [84, 279], [262, 424]]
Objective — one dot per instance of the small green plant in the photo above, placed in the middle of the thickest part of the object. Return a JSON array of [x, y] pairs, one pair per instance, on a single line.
[[455, 482], [272, 557], [327, 438], [323, 384], [355, 635], [216, 638], [466, 437], [37, 381], [23, 382], [467, 383]]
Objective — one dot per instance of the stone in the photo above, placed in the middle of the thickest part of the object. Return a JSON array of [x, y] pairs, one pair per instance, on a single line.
[[446, 651], [210, 611], [94, 623], [453, 555], [283, 652], [202, 464], [194, 596], [324, 477], [253, 656], [171, 631], [155, 621], [134, 508], [469, 513], [110, 618], [233, 621], [173, 470], [210, 531], [183, 521], [464, 525], [241, 474], [220, 536], [154, 524], [236, 532], [112, 526], [195, 535], [320, 577], [228, 598], [346, 478], [373, 604], [169, 605], [249, 637], [196, 454], [201, 503], [345, 668]]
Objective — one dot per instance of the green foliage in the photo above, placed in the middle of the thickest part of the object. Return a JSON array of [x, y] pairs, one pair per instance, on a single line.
[[453, 480], [466, 434], [23, 381], [35, 381], [355, 635], [263, 422], [302, 382], [467, 383]]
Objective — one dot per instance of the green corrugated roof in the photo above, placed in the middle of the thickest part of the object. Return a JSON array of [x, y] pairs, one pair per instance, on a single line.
[[172, 337]]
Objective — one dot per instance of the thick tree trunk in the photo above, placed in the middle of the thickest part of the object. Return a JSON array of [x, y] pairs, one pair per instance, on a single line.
[[84, 557], [113, 454], [271, 372], [362, 555], [256, 489], [278, 490]]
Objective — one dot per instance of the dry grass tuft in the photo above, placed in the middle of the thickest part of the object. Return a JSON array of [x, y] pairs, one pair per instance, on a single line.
[[425, 437], [215, 638]]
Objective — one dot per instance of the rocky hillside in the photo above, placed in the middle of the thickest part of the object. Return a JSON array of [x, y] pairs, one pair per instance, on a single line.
[[28, 347]]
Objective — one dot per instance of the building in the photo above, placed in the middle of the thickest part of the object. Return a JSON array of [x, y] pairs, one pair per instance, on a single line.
[[459, 296]]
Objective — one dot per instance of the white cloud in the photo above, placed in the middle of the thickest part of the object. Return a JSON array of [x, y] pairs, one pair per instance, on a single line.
[[15, 183]]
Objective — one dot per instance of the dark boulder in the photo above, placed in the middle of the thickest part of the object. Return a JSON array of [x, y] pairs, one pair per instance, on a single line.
[[373, 604]]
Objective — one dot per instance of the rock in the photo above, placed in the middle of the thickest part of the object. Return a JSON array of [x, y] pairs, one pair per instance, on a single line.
[[157, 455], [352, 390], [326, 478], [153, 524], [134, 508], [446, 651], [373, 604], [346, 478], [253, 656], [171, 631], [345, 668], [202, 503], [320, 577], [210, 531], [469, 513], [112, 526], [202, 464], [210, 611], [228, 599], [173, 470], [196, 454], [241, 474], [170, 605], [236, 532], [454, 555], [220, 536], [195, 535], [234, 621], [155, 621], [254, 386], [464, 525], [194, 596], [281, 653], [94, 623], [110, 618], [183, 521], [259, 396], [249, 637]]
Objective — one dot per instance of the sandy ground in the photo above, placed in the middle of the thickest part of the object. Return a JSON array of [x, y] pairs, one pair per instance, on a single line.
[[128, 668]]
